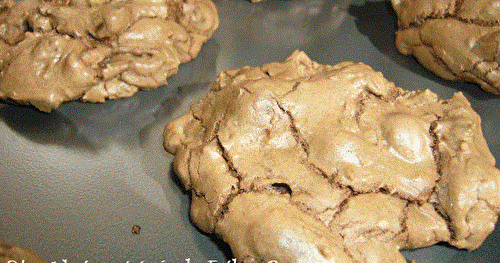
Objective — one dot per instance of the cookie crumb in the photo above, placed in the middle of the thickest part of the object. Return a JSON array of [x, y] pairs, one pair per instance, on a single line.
[[136, 229]]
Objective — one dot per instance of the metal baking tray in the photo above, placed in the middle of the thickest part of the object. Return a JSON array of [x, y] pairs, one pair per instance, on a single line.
[[75, 181]]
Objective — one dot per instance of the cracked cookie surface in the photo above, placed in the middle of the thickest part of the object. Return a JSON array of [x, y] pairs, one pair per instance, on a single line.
[[303, 162], [54, 51], [457, 40]]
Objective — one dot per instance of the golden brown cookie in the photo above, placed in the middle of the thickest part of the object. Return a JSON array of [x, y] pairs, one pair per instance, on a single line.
[[457, 40], [303, 162], [10, 253], [55, 51]]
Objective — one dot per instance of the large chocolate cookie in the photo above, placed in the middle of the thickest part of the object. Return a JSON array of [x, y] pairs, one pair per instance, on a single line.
[[457, 40], [303, 162], [54, 51]]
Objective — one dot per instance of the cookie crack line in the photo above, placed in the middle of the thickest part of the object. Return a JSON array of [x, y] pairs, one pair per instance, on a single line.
[[234, 172], [226, 156], [293, 89], [404, 222], [342, 206], [435, 153], [294, 129], [423, 19]]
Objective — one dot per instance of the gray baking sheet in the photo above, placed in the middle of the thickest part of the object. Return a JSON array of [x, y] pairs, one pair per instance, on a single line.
[[75, 181]]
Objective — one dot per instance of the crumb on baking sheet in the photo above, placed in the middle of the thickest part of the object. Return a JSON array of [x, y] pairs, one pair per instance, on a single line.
[[136, 229]]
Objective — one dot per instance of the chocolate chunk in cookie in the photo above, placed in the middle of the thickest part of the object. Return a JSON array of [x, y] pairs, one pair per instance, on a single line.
[[303, 162], [56, 51]]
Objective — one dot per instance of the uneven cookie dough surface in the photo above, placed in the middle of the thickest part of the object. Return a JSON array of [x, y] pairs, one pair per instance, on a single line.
[[55, 51], [457, 40], [303, 162], [9, 254]]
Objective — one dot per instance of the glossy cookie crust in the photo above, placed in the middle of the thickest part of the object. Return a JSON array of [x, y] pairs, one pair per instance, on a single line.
[[303, 162], [56, 51], [457, 40]]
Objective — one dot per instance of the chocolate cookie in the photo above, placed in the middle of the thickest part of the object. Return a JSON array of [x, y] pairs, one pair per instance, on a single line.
[[9, 254], [457, 40], [303, 162], [54, 51]]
